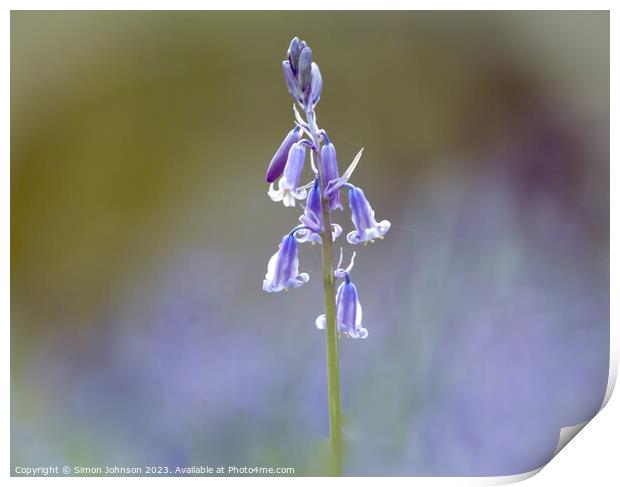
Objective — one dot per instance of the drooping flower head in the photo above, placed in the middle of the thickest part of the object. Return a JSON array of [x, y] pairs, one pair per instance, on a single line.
[[288, 185], [330, 172], [283, 268], [363, 217], [348, 311]]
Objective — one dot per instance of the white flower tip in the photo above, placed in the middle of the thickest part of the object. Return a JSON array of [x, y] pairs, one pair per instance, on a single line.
[[336, 231], [320, 322], [268, 287], [353, 238], [274, 194]]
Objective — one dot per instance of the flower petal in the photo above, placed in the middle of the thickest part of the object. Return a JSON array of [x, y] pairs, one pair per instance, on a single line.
[[383, 227], [336, 231], [354, 238], [320, 322], [275, 194]]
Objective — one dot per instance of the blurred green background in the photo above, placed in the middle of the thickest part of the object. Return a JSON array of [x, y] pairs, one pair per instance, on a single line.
[[141, 230]]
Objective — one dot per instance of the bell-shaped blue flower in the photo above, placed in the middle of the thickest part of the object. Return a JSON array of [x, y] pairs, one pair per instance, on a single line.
[[348, 312], [288, 185], [283, 268], [278, 163], [329, 162], [363, 216], [312, 219]]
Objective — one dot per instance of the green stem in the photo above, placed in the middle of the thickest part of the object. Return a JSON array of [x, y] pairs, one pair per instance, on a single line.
[[333, 361]]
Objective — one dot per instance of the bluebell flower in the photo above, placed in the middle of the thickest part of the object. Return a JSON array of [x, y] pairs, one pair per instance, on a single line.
[[283, 268], [329, 162], [348, 311], [305, 84], [312, 219], [277, 164], [288, 185], [363, 216]]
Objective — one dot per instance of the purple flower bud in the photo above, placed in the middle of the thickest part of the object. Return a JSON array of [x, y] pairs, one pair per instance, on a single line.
[[348, 311], [293, 53], [316, 84], [277, 164], [291, 81], [313, 204], [304, 69], [313, 219], [288, 184], [363, 216], [283, 268], [329, 162]]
